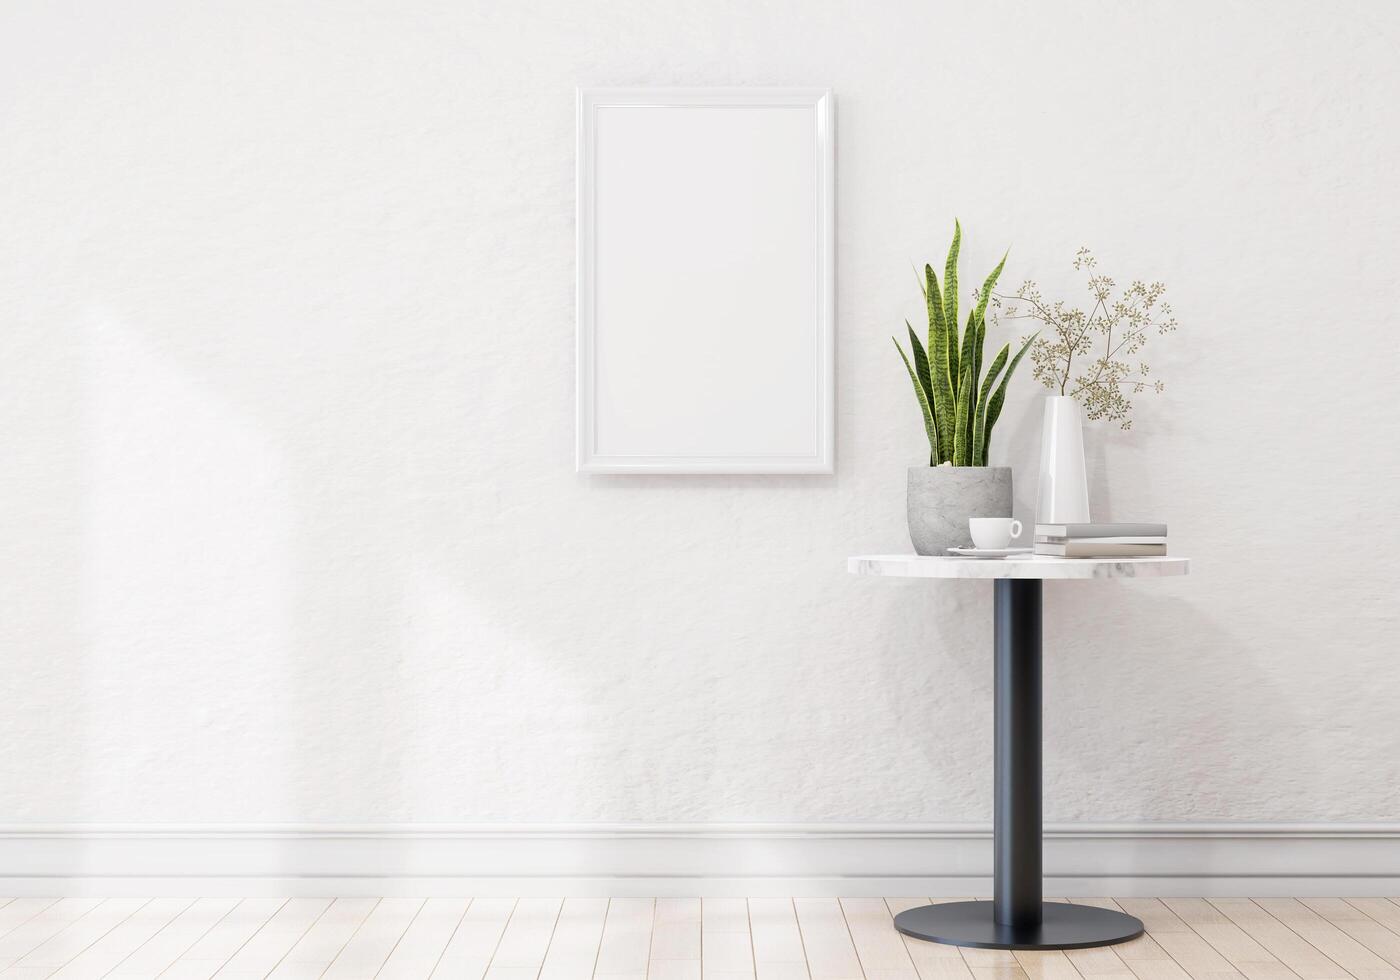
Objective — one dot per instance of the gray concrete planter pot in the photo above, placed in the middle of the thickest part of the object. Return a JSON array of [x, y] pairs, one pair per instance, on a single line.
[[942, 498]]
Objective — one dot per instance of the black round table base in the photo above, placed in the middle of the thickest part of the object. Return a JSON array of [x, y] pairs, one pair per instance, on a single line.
[[1061, 927]]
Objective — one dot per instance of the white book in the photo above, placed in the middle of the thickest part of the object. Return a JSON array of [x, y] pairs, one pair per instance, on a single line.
[[1121, 539], [1101, 530], [1094, 549]]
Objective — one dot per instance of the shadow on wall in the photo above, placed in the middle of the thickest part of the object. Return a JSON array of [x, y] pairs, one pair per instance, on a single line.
[[1145, 647], [1134, 695], [1112, 457], [288, 617], [187, 584]]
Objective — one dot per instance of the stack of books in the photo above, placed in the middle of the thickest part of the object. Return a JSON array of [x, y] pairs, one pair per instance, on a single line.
[[1101, 540]]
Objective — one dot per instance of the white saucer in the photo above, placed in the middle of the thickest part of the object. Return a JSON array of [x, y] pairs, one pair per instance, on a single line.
[[989, 552]]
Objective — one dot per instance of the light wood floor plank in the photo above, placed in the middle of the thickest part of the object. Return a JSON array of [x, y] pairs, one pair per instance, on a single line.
[[1359, 926], [1183, 944], [1238, 947], [831, 955], [675, 934], [260, 955], [323, 942], [1215, 927], [985, 964], [523, 945], [364, 954], [673, 970], [19, 911], [469, 951], [933, 961], [676, 941], [152, 957], [49, 956], [879, 948], [217, 946], [1099, 962], [573, 950], [779, 971], [1343, 950], [625, 949], [991, 959], [39, 929], [1143, 957], [1335, 909], [992, 964], [1048, 964], [1295, 952], [107, 952], [425, 940], [998, 972], [725, 943], [1157, 969], [778, 953], [1383, 910], [1154, 915]]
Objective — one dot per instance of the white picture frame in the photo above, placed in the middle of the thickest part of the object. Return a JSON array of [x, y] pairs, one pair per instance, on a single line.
[[706, 280]]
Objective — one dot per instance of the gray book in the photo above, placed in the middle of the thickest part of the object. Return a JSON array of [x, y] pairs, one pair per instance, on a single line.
[[1101, 530], [1117, 539], [1089, 548]]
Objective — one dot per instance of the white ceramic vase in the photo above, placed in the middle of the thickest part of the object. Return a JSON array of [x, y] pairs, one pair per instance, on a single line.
[[1063, 497]]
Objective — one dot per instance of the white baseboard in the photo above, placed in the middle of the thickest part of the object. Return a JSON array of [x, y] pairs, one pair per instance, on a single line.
[[694, 859]]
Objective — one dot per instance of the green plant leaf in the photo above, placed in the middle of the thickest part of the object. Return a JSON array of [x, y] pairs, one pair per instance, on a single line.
[[981, 341], [961, 454], [985, 296], [979, 423], [969, 352], [930, 427], [970, 407], [950, 288], [941, 381], [933, 298], [920, 359], [994, 406], [967, 388]]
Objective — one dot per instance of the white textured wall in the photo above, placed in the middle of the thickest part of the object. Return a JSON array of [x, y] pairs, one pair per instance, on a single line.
[[291, 529]]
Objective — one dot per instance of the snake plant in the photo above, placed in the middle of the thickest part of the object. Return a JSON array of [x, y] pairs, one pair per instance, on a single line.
[[960, 405]]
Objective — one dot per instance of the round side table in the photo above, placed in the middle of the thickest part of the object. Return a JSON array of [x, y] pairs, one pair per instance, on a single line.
[[1017, 917]]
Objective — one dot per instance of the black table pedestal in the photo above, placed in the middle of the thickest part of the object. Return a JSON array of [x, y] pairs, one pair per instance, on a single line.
[[1017, 918]]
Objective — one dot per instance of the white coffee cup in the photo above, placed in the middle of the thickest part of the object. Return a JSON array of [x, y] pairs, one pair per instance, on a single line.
[[993, 532]]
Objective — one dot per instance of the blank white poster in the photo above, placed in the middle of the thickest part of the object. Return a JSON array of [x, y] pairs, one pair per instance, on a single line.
[[705, 281]]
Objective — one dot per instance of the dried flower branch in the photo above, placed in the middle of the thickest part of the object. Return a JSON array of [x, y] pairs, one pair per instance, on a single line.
[[1090, 356]]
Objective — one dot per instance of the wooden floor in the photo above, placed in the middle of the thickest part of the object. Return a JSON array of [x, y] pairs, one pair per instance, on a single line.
[[669, 939]]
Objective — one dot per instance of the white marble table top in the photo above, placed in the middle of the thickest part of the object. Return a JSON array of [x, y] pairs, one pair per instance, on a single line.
[[1030, 566]]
